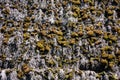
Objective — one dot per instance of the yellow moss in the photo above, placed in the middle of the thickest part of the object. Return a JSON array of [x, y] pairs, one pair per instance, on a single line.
[[94, 39], [111, 64], [63, 43], [90, 33], [77, 2], [104, 61], [51, 62], [20, 74], [71, 75], [79, 19], [26, 25], [92, 8], [6, 35], [105, 36], [98, 42], [92, 27], [113, 38], [118, 52], [104, 55], [48, 36], [3, 56], [93, 12], [60, 33], [5, 40], [87, 28], [80, 33], [110, 17], [110, 12], [26, 68], [66, 76], [98, 13], [85, 16], [40, 44], [99, 32], [86, 1], [75, 15], [59, 38], [27, 19], [64, 3], [106, 48], [6, 11], [118, 21], [111, 56], [57, 22], [74, 34], [26, 36], [10, 21], [36, 29], [11, 30], [3, 29], [47, 48], [110, 42], [44, 32], [98, 76], [99, 24], [72, 41]]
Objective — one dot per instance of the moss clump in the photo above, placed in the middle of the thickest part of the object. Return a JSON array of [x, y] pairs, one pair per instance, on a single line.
[[50, 62], [47, 48], [90, 33], [40, 44], [113, 38], [27, 19], [11, 30], [111, 56], [80, 33], [111, 65], [26, 69], [76, 2], [104, 55], [117, 53], [72, 41], [104, 62], [106, 37], [3, 29], [26, 25], [110, 12], [75, 15], [98, 32], [69, 76], [98, 42], [85, 16], [60, 38], [20, 74], [60, 33], [92, 8], [43, 32], [106, 48], [85, 1], [6, 11], [26, 36], [74, 34], [99, 24], [63, 43], [87, 28], [3, 57], [5, 40]]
